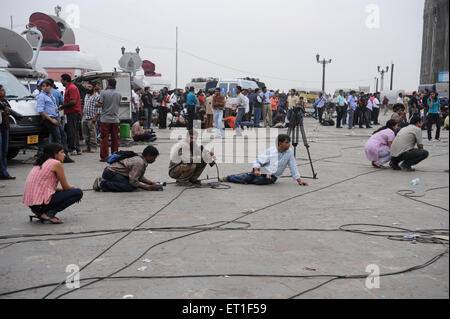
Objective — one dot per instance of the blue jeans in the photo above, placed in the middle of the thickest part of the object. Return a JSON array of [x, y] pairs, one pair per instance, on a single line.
[[59, 202], [251, 178], [4, 138], [258, 112], [344, 115], [218, 121], [113, 182], [148, 116], [237, 123], [57, 135], [351, 113]]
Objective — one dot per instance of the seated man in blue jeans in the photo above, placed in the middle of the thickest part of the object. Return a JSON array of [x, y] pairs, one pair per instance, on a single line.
[[128, 175], [269, 167]]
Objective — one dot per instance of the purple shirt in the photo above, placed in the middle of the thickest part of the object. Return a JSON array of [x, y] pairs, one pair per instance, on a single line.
[[377, 143]]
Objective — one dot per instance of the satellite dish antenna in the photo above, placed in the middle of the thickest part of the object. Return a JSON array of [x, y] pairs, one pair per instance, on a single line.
[[67, 36], [149, 67], [51, 31], [15, 49], [130, 62]]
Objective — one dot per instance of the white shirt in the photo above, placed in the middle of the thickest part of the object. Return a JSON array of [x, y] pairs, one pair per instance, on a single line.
[[399, 100], [376, 103], [135, 105], [369, 104], [247, 104]]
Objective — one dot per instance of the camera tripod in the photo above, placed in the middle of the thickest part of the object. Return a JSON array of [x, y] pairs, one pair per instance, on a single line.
[[296, 127]]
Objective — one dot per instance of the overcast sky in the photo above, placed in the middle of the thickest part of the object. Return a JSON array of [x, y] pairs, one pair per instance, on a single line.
[[276, 41]]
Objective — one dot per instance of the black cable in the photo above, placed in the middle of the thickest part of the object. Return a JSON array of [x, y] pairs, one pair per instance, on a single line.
[[214, 186], [333, 277], [409, 194], [224, 224]]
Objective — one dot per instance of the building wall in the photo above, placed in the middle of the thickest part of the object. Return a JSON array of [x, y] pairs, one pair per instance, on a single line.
[[435, 43]]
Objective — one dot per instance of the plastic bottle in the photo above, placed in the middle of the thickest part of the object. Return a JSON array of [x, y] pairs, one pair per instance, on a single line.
[[414, 182]]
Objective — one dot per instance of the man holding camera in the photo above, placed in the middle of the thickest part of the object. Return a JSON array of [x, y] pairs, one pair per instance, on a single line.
[[188, 160]]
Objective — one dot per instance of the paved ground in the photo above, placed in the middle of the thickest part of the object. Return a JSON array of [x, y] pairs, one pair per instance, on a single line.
[[339, 196]]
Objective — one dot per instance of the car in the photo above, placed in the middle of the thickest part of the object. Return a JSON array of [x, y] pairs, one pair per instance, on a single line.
[[26, 123]]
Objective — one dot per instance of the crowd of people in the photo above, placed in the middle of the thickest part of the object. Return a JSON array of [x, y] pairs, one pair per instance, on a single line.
[[88, 111]]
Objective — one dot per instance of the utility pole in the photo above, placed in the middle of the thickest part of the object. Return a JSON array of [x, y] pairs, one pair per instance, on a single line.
[[375, 83], [324, 63], [392, 76], [377, 86], [176, 60], [382, 72], [12, 26]]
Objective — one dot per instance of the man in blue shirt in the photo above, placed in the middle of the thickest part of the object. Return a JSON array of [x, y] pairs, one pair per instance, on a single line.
[[191, 102], [48, 109], [270, 166], [351, 108]]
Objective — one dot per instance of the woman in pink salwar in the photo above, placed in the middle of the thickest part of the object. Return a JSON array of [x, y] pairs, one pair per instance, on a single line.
[[378, 147]]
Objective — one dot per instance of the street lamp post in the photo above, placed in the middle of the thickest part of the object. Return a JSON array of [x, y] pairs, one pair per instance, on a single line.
[[382, 72], [324, 62]]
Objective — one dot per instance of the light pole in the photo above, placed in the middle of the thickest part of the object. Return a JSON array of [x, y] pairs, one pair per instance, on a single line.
[[324, 63], [382, 72]]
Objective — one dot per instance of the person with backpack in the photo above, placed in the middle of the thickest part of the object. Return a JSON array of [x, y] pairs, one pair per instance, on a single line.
[[126, 172]]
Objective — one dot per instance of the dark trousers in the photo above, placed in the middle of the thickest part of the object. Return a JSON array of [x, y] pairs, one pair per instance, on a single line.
[[113, 182], [4, 139], [162, 117], [73, 131], [375, 115], [59, 202], [107, 130], [191, 116], [339, 111], [251, 178], [320, 111], [143, 138], [364, 117], [411, 157], [433, 118]]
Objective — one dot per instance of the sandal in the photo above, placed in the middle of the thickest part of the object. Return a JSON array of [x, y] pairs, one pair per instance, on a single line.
[[377, 165], [54, 220]]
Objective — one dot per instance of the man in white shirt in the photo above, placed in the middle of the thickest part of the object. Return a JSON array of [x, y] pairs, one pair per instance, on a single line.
[[376, 108], [270, 166], [135, 103], [241, 105]]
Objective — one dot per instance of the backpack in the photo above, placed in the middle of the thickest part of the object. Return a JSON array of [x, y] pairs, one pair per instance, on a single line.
[[120, 156]]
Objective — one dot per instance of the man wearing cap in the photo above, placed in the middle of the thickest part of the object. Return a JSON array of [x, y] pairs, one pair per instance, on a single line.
[[191, 102]]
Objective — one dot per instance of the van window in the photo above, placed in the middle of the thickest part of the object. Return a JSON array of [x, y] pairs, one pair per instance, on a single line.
[[233, 89], [12, 86], [223, 88]]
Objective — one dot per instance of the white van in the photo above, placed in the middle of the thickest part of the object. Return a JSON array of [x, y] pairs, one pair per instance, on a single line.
[[229, 85], [123, 87]]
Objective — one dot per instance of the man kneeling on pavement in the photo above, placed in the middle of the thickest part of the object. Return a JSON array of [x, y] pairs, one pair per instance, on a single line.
[[188, 160], [270, 166], [127, 175]]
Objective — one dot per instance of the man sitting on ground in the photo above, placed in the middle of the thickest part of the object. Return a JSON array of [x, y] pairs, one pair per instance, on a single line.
[[128, 175], [139, 134], [270, 166], [402, 149], [188, 160]]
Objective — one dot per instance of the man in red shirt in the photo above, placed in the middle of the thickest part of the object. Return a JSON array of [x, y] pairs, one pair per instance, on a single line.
[[72, 109]]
